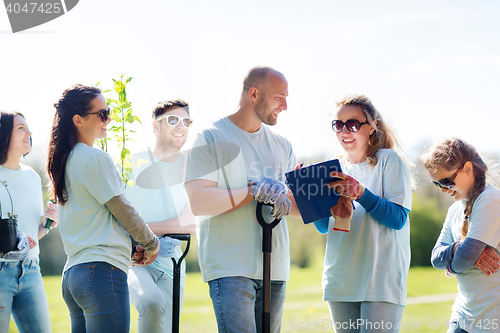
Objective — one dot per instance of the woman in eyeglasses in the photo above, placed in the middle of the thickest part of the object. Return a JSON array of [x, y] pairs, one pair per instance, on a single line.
[[95, 219], [469, 243], [22, 292], [368, 250]]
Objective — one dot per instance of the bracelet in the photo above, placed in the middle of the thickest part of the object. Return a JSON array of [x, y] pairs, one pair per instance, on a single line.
[[45, 230], [448, 273]]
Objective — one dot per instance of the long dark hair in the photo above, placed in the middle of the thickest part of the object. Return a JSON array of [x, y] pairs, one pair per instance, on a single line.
[[452, 153], [63, 137], [6, 128]]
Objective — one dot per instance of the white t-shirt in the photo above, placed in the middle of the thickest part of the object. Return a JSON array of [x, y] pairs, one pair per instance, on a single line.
[[158, 194], [230, 244], [371, 261], [25, 188], [477, 306], [88, 229]]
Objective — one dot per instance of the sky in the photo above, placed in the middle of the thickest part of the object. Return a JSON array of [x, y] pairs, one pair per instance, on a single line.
[[430, 67]]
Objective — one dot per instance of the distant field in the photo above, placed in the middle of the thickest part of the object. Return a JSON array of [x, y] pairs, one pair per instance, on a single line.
[[304, 309]]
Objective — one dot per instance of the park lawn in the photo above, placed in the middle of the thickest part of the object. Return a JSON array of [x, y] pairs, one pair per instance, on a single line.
[[304, 308]]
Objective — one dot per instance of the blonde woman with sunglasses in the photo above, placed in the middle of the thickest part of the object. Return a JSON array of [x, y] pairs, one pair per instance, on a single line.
[[95, 219], [368, 250], [469, 243]]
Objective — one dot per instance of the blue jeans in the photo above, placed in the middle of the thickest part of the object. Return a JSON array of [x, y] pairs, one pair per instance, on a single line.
[[23, 294], [364, 317], [238, 304], [151, 293], [96, 294]]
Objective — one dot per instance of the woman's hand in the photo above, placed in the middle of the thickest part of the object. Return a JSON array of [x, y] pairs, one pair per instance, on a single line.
[[143, 257], [347, 186], [32, 242], [487, 261], [51, 213]]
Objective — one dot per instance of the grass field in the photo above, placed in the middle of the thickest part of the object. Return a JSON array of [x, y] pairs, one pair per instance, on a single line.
[[304, 309]]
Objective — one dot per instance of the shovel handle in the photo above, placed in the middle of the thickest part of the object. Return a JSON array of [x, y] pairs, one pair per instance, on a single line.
[[181, 237], [260, 217], [177, 281]]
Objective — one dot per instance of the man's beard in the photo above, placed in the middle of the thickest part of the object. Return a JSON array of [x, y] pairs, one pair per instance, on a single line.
[[262, 111]]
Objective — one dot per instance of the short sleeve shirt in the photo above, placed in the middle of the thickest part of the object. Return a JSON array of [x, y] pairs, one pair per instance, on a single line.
[[88, 229], [25, 188], [158, 194], [371, 261], [230, 244]]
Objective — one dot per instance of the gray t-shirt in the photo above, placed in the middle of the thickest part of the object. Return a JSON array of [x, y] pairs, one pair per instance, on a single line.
[[476, 307], [158, 194], [88, 229], [371, 261], [25, 188], [230, 244]]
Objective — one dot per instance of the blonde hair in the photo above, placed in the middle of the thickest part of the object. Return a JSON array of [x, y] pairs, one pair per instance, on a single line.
[[450, 154], [383, 136]]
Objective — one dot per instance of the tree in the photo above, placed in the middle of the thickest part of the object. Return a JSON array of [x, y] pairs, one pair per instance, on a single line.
[[121, 115]]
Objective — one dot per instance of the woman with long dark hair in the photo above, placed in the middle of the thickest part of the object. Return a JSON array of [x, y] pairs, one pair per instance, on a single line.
[[22, 292], [95, 218]]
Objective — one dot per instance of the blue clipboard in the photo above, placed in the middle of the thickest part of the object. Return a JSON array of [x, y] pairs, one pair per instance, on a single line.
[[309, 187]]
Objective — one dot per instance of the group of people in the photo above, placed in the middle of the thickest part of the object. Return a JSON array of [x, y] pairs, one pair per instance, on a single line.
[[234, 163]]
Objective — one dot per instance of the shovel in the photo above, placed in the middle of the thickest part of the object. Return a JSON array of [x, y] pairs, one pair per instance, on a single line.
[[267, 236]]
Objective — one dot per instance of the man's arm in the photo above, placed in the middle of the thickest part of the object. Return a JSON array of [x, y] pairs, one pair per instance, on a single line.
[[184, 224], [207, 199]]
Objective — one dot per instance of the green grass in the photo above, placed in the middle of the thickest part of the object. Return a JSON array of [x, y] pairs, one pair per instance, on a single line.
[[303, 307]]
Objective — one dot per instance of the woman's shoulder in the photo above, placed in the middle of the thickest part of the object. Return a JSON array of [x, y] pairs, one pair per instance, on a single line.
[[386, 153], [389, 157], [487, 203], [25, 173], [490, 194], [27, 170], [82, 150], [490, 188], [83, 157]]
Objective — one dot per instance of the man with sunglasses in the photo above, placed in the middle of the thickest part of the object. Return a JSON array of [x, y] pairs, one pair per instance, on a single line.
[[158, 194], [242, 147]]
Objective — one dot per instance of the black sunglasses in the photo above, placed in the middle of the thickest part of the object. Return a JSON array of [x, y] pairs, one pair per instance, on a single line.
[[448, 183], [173, 120], [104, 113], [352, 125]]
